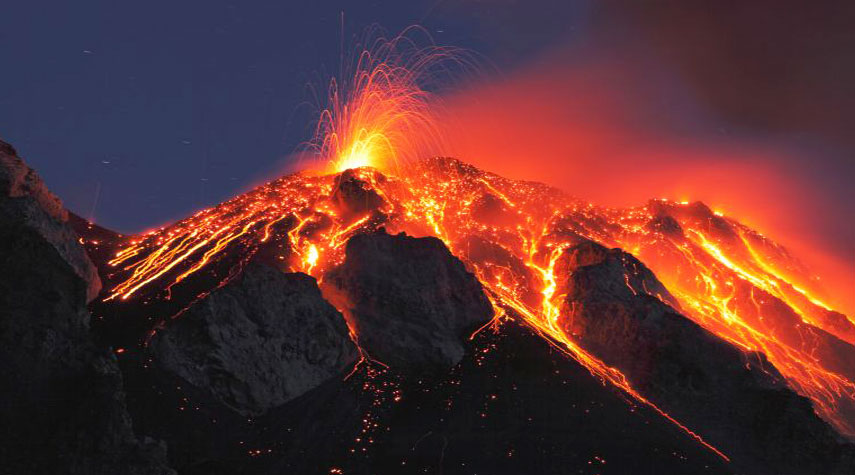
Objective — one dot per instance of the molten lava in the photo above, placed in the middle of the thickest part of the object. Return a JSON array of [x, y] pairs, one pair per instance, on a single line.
[[729, 279]]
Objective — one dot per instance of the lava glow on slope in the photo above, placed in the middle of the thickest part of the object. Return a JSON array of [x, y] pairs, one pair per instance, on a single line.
[[729, 279]]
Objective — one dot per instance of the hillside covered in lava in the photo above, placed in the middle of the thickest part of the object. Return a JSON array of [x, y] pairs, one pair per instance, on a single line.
[[438, 319]]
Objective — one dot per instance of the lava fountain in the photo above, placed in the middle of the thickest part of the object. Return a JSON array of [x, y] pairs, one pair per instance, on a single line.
[[382, 110]]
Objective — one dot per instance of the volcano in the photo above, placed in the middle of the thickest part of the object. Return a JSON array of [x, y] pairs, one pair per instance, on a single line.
[[436, 318]]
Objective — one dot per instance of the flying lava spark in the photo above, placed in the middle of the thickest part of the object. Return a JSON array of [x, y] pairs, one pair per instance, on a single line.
[[380, 153], [378, 112]]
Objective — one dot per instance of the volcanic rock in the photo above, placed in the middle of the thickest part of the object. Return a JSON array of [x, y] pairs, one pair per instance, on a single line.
[[697, 213], [353, 195], [500, 261], [28, 202], [62, 409], [543, 413], [616, 309], [511, 404], [409, 299], [258, 342]]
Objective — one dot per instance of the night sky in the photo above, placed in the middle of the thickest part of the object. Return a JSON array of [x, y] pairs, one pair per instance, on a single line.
[[138, 113]]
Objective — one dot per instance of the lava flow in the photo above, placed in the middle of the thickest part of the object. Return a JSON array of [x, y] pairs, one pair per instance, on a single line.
[[729, 279]]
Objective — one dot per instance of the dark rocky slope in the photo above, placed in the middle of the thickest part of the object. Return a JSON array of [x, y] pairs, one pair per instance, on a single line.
[[260, 341], [512, 406], [744, 409], [410, 301], [62, 409]]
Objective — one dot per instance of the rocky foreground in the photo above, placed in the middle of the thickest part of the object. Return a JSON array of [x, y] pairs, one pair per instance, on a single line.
[[62, 409], [264, 375]]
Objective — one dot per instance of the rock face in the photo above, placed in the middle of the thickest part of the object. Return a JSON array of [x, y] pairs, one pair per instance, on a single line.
[[258, 342], [611, 308], [27, 201], [353, 196], [410, 300], [62, 408]]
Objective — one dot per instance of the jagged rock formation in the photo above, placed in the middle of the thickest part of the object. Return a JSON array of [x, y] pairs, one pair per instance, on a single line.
[[62, 408], [260, 341], [28, 202], [354, 196], [615, 308], [409, 299], [98, 242]]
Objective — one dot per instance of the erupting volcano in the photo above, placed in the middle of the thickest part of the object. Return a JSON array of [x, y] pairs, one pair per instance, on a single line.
[[516, 237], [683, 310]]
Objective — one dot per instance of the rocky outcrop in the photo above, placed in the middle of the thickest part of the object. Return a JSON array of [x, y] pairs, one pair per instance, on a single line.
[[354, 196], [62, 408], [260, 341], [409, 299], [28, 202], [615, 308]]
